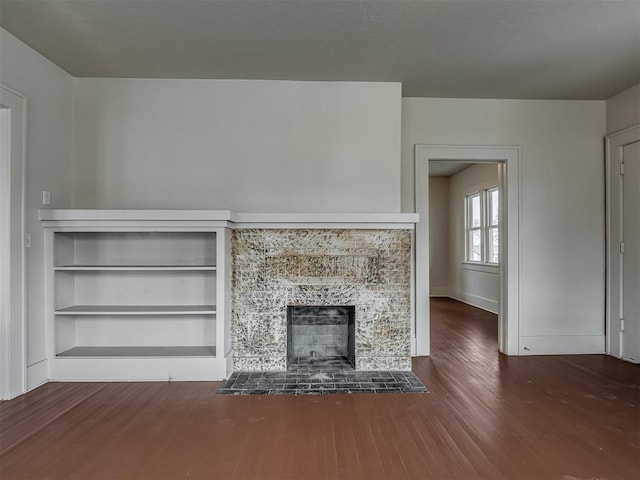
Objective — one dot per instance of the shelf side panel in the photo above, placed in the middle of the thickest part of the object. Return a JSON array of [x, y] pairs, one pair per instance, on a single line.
[[64, 248], [65, 334]]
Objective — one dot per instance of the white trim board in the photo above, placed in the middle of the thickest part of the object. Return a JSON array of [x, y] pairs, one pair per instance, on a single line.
[[37, 374], [509, 156], [228, 216], [614, 143], [561, 344], [13, 352], [100, 220], [487, 304], [138, 369], [5, 251], [439, 292]]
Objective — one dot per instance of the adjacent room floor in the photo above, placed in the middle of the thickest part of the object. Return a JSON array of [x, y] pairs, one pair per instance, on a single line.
[[486, 416]]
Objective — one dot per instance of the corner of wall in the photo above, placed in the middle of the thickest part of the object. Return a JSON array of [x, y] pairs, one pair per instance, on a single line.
[[623, 110]]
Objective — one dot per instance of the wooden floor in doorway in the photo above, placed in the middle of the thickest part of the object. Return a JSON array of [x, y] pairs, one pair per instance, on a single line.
[[486, 416]]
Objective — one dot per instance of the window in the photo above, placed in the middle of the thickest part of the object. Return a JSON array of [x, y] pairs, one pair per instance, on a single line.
[[482, 228], [474, 228], [493, 231]]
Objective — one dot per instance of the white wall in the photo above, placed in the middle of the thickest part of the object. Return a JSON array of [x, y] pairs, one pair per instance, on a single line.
[[439, 236], [48, 91], [623, 110], [263, 146], [478, 285], [562, 204]]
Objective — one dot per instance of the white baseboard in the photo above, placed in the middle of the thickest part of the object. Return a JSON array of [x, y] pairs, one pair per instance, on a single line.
[[438, 292], [630, 359], [37, 374], [142, 369], [487, 304], [229, 361], [562, 344]]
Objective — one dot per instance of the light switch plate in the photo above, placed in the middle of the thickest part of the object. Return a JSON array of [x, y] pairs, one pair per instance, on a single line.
[[46, 197]]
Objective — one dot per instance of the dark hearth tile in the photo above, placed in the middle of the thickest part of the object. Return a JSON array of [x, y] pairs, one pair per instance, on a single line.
[[415, 383], [315, 382], [414, 389], [349, 386], [292, 391], [378, 385], [328, 386], [298, 375]]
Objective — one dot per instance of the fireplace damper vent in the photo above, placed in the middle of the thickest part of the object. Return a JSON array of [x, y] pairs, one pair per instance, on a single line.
[[317, 333]]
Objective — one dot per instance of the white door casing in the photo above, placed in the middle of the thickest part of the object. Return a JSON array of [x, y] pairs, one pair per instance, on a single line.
[[623, 259], [12, 255], [509, 157], [631, 257]]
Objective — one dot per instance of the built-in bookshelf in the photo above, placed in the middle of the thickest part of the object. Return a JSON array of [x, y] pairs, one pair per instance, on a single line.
[[130, 300]]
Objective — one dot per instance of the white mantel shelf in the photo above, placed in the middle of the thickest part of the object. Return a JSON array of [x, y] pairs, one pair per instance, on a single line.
[[204, 218]]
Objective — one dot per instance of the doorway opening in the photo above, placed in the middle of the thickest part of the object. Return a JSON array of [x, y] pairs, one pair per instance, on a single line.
[[465, 226], [623, 244], [474, 257]]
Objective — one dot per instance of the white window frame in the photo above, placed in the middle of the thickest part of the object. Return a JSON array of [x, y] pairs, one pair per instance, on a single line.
[[469, 229], [490, 226], [484, 228]]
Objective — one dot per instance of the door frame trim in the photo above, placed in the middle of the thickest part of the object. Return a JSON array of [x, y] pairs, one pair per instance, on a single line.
[[613, 142], [11, 387], [509, 156]]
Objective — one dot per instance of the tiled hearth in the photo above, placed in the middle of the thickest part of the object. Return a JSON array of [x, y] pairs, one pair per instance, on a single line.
[[320, 381], [274, 269]]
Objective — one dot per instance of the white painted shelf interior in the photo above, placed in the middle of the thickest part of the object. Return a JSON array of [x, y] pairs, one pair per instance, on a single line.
[[135, 294]]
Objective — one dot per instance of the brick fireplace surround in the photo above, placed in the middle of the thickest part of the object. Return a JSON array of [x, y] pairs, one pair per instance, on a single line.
[[273, 269]]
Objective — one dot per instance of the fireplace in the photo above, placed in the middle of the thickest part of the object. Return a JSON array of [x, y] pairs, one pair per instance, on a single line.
[[366, 272], [318, 335]]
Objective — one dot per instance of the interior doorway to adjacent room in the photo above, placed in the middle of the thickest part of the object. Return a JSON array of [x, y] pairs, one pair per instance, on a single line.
[[623, 244], [487, 241], [465, 223]]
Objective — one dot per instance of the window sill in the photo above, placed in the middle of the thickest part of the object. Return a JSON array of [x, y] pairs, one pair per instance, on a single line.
[[493, 268]]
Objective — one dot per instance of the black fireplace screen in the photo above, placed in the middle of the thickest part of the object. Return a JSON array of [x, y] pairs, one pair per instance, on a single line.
[[320, 331]]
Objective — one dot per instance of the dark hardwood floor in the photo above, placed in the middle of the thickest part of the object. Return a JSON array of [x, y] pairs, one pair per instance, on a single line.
[[487, 416]]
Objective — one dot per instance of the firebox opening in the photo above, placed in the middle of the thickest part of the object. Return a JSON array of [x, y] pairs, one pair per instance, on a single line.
[[321, 336]]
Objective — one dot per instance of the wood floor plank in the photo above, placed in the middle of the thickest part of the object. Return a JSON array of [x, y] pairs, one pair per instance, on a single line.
[[486, 416], [23, 418]]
